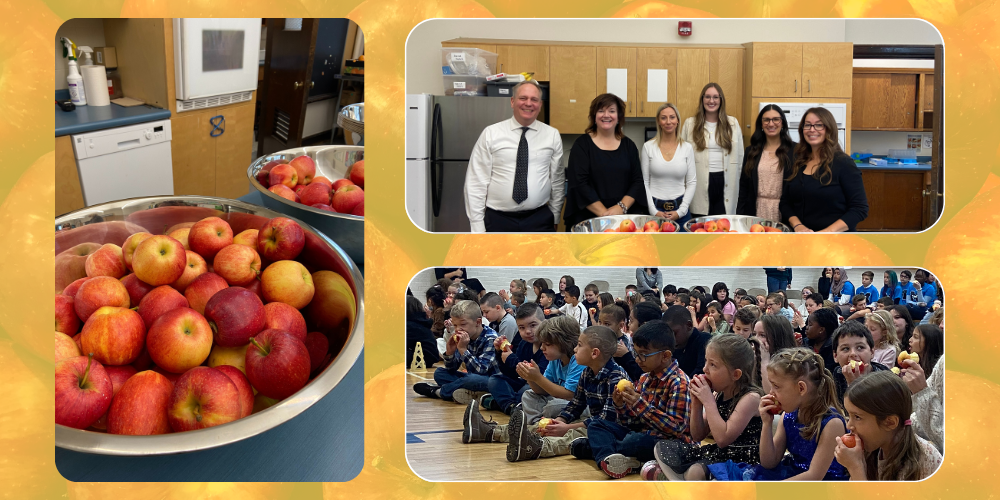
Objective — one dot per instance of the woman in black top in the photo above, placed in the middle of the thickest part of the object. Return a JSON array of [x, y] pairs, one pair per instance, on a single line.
[[824, 192], [825, 281], [604, 174], [769, 141], [418, 329]]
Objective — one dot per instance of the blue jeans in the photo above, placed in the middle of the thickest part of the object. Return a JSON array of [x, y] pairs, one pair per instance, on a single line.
[[774, 284], [453, 380], [506, 391], [607, 438]]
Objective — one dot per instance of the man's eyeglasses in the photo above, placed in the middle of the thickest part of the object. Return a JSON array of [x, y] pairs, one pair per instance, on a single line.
[[642, 357]]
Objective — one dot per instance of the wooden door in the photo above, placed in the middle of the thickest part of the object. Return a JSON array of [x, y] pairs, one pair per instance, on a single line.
[[777, 70], [875, 191], [692, 75], [654, 58], [572, 87], [619, 58], [287, 71], [69, 194], [725, 67], [233, 152], [904, 201], [192, 150], [827, 69], [524, 59]]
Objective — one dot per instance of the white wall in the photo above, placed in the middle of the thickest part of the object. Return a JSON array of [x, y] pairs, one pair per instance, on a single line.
[[891, 32], [879, 143], [89, 32]]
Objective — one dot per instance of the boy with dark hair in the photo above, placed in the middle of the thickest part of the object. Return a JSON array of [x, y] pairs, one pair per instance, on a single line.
[[743, 322], [883, 303], [690, 342], [517, 299], [669, 294], [613, 317], [472, 344], [631, 290], [547, 300], [642, 313], [867, 289], [854, 346], [683, 299], [659, 402], [594, 350], [573, 308], [507, 386], [746, 300], [859, 308], [590, 293], [500, 321]]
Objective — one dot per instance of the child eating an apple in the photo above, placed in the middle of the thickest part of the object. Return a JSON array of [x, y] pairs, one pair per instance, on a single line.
[[472, 344], [853, 355], [613, 317], [884, 445], [507, 386], [546, 299], [573, 307]]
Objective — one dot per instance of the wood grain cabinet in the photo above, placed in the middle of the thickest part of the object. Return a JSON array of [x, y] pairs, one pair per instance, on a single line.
[[69, 194], [618, 58], [524, 59], [895, 200], [572, 86], [212, 166], [884, 101], [800, 69], [648, 58]]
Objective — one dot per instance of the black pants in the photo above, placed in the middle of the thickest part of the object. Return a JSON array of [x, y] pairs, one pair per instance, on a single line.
[[539, 220], [717, 193]]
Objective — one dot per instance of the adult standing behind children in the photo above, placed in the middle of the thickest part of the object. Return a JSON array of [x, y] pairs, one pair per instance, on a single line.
[[718, 154], [649, 279], [668, 169], [515, 183], [472, 344], [766, 163], [689, 350]]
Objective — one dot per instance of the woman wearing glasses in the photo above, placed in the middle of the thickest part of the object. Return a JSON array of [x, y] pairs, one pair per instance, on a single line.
[[766, 163], [824, 192], [718, 146]]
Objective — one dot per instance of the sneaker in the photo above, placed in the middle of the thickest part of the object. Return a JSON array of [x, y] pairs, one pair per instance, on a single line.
[[425, 389], [464, 396], [475, 428], [668, 456], [523, 443], [618, 466], [488, 403], [580, 448], [651, 472]]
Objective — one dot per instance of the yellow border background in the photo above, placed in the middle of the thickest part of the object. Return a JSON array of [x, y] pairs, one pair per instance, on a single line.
[[961, 249]]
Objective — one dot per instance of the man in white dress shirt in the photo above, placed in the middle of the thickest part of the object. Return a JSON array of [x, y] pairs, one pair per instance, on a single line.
[[515, 183]]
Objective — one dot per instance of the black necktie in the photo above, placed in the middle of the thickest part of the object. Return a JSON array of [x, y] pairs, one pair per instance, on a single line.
[[521, 174]]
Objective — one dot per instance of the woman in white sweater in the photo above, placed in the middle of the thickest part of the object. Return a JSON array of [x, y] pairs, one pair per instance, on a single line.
[[718, 154], [668, 168]]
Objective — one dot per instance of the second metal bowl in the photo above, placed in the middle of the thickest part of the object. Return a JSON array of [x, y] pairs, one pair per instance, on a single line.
[[739, 223], [600, 224]]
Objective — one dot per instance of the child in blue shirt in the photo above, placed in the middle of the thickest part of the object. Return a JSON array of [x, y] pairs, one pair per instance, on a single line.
[[472, 344], [912, 296], [867, 289], [507, 386], [890, 287], [841, 288]]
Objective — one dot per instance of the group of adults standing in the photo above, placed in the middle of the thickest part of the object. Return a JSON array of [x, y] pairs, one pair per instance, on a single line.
[[515, 182]]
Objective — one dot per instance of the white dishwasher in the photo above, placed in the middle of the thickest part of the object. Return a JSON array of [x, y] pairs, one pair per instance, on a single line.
[[125, 162]]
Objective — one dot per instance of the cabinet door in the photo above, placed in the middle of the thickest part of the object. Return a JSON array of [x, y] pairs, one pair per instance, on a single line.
[[904, 201], [654, 58], [69, 194], [725, 67], [618, 58], [572, 87], [876, 192], [884, 101], [692, 75], [928, 91], [827, 69], [524, 59], [777, 70], [193, 153], [902, 101], [234, 151]]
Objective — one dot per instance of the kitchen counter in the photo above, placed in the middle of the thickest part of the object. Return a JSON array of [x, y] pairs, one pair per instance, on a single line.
[[897, 167], [88, 118]]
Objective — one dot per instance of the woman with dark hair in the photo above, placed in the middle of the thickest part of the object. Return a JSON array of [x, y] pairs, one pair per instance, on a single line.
[[720, 292], [766, 163], [824, 191], [604, 174], [436, 296], [718, 146], [648, 279], [825, 280], [418, 329], [903, 322]]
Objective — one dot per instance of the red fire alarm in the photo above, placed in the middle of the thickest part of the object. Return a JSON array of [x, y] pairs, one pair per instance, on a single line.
[[684, 28]]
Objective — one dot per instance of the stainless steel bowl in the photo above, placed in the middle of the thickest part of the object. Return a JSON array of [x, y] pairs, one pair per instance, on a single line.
[[740, 223], [352, 118], [331, 162], [113, 222], [599, 224]]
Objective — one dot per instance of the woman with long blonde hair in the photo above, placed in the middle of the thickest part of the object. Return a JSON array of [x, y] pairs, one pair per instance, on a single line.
[[718, 157], [668, 168]]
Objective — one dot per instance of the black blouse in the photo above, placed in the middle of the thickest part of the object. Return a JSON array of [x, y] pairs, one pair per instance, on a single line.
[[747, 203], [594, 174], [818, 206]]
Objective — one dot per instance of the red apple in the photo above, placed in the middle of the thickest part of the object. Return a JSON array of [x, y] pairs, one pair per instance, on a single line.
[[277, 364], [179, 340], [627, 226], [332, 310], [143, 362], [237, 264], [284, 192], [287, 281], [281, 316], [610, 230], [74, 287], [232, 356], [66, 319], [118, 375], [247, 238], [281, 238], [305, 168], [65, 347], [115, 335], [298, 191], [210, 235], [203, 397], [357, 173], [321, 206], [284, 175], [756, 228], [71, 264], [202, 289], [769, 229], [182, 235], [651, 227], [159, 260], [711, 226], [346, 198], [180, 225], [98, 292], [724, 225], [263, 175], [318, 346], [323, 180], [235, 314], [140, 406], [359, 210], [700, 230], [315, 193], [849, 440], [667, 227], [82, 392], [79, 345], [256, 288], [339, 183], [159, 301], [170, 376], [242, 386], [106, 261], [697, 225], [136, 288], [131, 243], [196, 266]]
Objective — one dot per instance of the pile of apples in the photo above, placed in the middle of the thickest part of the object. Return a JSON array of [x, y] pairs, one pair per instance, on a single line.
[[724, 226], [627, 226], [193, 328], [296, 181]]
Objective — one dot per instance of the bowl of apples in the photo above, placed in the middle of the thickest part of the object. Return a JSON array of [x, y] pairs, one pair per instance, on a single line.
[[734, 224], [627, 224], [185, 323], [321, 185]]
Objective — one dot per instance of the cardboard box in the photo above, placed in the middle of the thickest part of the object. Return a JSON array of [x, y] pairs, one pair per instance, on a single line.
[[106, 56]]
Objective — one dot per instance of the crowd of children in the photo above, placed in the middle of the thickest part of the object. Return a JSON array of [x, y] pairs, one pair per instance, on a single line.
[[676, 384]]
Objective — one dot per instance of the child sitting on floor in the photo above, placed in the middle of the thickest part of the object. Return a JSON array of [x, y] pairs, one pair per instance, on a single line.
[[472, 344], [883, 331], [853, 343], [613, 317], [507, 386]]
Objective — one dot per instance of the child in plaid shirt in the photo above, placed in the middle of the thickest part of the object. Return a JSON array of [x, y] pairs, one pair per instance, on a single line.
[[660, 402], [594, 350], [472, 344]]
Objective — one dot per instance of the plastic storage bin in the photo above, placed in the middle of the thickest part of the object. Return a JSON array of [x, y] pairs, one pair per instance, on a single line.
[[505, 89], [464, 85], [472, 62]]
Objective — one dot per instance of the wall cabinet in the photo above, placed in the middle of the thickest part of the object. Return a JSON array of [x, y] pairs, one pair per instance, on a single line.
[[800, 69], [692, 75], [895, 200], [648, 58], [884, 101], [618, 58], [572, 86], [524, 59]]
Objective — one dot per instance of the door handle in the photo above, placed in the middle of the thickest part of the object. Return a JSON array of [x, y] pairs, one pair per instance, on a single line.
[[312, 84], [501, 68], [796, 85], [297, 85], [809, 84]]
